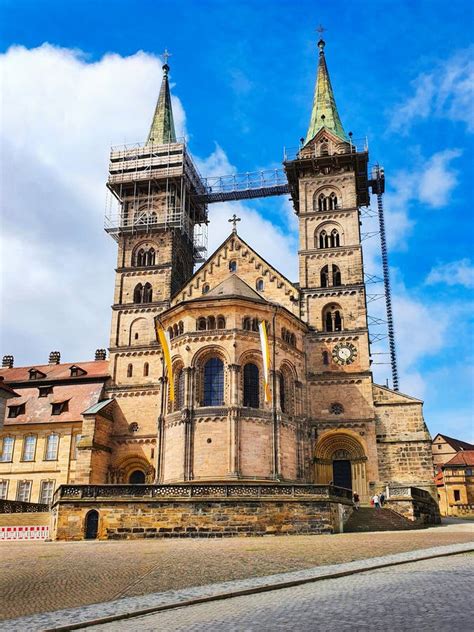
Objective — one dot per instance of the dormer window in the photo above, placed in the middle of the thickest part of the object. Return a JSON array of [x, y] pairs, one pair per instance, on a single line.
[[76, 371], [15, 411], [36, 374], [57, 408], [44, 391]]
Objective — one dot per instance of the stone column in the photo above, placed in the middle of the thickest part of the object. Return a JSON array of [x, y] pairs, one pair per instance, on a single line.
[[234, 420], [160, 447]]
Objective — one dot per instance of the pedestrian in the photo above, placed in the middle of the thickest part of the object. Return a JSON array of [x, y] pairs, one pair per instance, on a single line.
[[376, 500], [356, 501], [382, 499]]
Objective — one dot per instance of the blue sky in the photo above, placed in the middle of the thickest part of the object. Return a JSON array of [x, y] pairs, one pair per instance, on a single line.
[[243, 78]]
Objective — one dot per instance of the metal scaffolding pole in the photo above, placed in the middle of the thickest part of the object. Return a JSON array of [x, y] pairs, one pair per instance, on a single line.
[[378, 186]]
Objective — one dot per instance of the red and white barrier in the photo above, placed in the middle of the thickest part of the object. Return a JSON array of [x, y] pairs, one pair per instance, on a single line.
[[24, 533]]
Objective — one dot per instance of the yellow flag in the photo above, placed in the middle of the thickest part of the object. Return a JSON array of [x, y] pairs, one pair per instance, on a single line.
[[164, 338], [266, 358]]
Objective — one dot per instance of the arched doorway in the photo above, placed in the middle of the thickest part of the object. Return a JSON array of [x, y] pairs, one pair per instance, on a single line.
[[137, 477], [91, 524], [340, 457]]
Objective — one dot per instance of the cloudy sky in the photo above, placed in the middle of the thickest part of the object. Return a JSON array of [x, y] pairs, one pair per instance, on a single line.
[[80, 76]]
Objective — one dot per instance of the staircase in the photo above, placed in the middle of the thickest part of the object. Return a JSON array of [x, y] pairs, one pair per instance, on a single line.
[[370, 519]]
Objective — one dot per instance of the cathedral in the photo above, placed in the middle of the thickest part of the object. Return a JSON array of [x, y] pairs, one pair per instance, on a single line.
[[325, 421]]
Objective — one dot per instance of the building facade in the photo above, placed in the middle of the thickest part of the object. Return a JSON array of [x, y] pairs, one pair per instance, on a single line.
[[455, 483], [325, 420]]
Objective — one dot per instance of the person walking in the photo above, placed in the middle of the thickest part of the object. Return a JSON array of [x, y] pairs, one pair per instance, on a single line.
[[382, 499], [356, 501], [376, 500]]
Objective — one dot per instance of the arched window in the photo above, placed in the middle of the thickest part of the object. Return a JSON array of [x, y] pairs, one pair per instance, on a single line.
[[336, 276], [323, 239], [335, 241], [205, 288], [211, 322], [325, 276], [233, 266], [213, 394], [282, 384], [179, 386], [251, 386], [259, 285], [254, 324], [138, 293], [220, 322], [181, 327], [137, 477], [130, 370], [52, 446], [247, 323], [325, 358], [175, 330], [140, 257], [332, 202], [146, 369], [322, 203], [151, 257], [170, 333], [147, 293], [153, 218], [332, 318], [201, 324]]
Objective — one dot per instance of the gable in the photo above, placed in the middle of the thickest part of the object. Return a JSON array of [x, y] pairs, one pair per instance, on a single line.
[[383, 395], [335, 145], [249, 267]]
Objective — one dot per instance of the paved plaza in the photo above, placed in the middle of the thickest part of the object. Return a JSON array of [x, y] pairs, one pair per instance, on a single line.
[[430, 595], [42, 577]]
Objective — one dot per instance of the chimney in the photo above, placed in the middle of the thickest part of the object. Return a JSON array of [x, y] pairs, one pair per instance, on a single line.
[[7, 362], [100, 354], [54, 357]]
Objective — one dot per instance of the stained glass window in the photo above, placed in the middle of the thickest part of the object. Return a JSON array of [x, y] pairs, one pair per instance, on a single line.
[[251, 386], [214, 382]]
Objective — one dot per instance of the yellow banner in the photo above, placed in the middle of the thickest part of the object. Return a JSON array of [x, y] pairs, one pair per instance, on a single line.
[[266, 358], [164, 338]]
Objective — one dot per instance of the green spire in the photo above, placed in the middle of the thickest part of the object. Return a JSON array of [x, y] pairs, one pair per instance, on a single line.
[[162, 127], [324, 113]]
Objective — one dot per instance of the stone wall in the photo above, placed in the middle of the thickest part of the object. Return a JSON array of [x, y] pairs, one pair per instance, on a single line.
[[416, 505], [310, 510]]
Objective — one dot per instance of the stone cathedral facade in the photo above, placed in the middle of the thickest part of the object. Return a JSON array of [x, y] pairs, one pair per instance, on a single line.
[[327, 422]]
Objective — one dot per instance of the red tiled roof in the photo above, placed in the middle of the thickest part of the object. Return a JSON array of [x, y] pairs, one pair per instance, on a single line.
[[80, 397], [464, 457], [457, 444], [94, 369], [438, 479]]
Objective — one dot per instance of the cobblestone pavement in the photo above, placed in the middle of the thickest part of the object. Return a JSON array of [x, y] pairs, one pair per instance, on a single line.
[[42, 577], [409, 597]]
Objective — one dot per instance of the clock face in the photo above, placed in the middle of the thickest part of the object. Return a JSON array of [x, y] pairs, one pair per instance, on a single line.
[[344, 353]]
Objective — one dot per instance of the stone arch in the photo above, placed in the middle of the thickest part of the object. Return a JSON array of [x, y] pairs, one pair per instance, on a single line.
[[199, 361], [342, 446], [252, 356], [324, 235], [287, 379], [134, 463], [331, 195], [148, 250], [138, 332]]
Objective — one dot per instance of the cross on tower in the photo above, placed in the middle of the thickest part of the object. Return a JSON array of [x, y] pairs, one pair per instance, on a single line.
[[166, 56], [321, 30], [234, 219]]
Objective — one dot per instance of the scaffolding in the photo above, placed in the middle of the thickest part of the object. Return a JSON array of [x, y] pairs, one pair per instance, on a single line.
[[156, 186]]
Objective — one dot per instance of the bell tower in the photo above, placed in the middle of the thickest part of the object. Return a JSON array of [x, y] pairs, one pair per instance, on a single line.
[[159, 224], [328, 184]]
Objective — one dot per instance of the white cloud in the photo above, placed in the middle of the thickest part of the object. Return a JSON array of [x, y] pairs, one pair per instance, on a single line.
[[438, 178], [447, 92], [454, 273], [60, 116]]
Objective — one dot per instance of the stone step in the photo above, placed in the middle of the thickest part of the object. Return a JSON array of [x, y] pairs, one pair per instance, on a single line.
[[371, 519]]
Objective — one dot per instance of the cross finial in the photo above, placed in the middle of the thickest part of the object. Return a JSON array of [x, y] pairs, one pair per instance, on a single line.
[[321, 30], [321, 42], [234, 219], [166, 55]]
